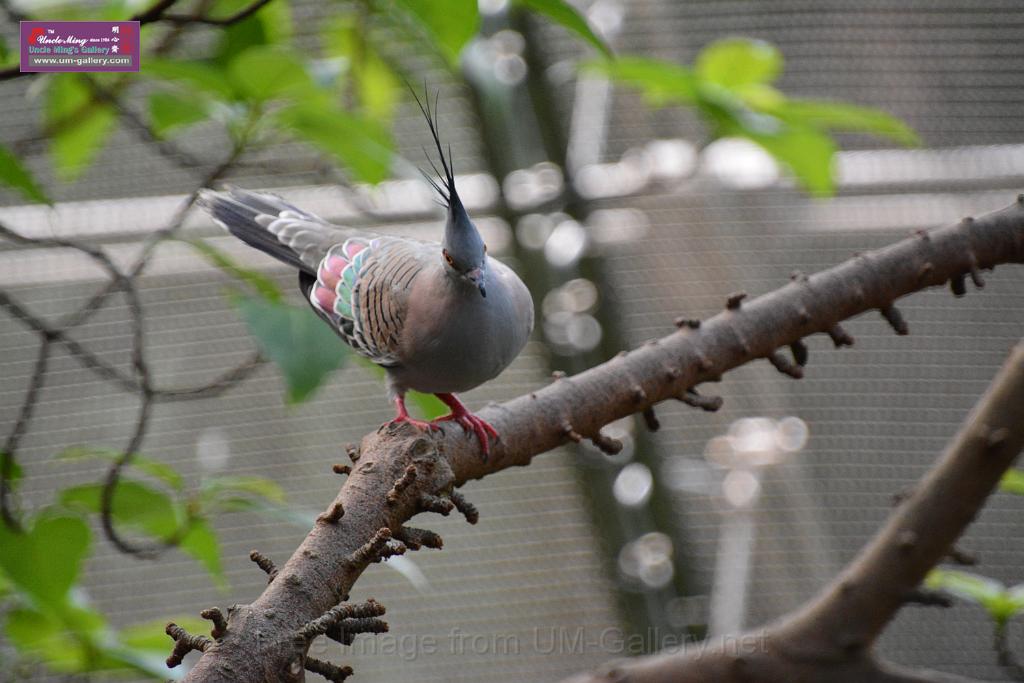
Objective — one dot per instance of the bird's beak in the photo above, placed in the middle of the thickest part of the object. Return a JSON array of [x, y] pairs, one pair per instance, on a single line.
[[476, 276]]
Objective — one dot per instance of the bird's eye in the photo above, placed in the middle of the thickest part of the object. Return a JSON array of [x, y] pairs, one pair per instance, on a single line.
[[485, 248], [447, 257]]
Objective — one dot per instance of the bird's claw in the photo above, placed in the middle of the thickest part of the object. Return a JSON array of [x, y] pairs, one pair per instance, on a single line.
[[421, 425], [473, 424]]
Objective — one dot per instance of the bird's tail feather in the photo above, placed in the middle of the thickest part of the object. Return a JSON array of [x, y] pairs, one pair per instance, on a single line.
[[248, 215]]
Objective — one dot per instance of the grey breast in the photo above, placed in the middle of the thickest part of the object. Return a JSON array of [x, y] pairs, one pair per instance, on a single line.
[[454, 339]]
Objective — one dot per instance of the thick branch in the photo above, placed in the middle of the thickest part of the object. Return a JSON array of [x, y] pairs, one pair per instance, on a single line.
[[326, 565], [665, 368], [859, 604], [829, 639]]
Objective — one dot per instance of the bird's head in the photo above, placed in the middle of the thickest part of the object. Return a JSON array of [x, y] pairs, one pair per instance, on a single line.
[[463, 250]]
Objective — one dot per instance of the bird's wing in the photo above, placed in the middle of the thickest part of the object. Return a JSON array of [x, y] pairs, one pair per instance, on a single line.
[[362, 289], [272, 225]]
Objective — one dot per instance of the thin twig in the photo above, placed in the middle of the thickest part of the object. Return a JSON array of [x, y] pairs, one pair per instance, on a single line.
[[13, 14], [1005, 654], [139, 382], [35, 385], [142, 130]]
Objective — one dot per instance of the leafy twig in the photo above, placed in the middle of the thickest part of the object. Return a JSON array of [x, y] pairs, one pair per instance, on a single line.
[[139, 382]]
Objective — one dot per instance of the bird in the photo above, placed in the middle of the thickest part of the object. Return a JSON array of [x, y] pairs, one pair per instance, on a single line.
[[440, 317]]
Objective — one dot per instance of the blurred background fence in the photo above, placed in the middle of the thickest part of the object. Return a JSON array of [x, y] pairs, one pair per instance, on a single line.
[[656, 226]]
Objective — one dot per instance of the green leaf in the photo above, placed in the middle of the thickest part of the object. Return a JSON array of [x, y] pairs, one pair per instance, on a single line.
[[52, 621], [377, 86], [14, 174], [203, 76], [807, 153], [1001, 604], [763, 98], [1013, 482], [1015, 598], [660, 82], [265, 72], [561, 12], [154, 665], [153, 513], [967, 586], [304, 349], [5, 586], [44, 562], [153, 468], [271, 25], [168, 111], [450, 24], [16, 472], [262, 284], [429, 406], [733, 62], [842, 117], [221, 492], [731, 88], [251, 494], [201, 543], [4, 52], [42, 635], [80, 125], [149, 636], [358, 143], [79, 641], [134, 504]]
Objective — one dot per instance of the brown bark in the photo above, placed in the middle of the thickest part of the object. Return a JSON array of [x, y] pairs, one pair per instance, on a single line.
[[829, 639], [263, 640]]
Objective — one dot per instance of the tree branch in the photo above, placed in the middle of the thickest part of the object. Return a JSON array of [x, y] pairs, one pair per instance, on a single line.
[[28, 405], [830, 637], [918, 536], [132, 121], [139, 382], [323, 569]]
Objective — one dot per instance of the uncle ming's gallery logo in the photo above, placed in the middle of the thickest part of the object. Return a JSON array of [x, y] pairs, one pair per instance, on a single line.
[[83, 46]]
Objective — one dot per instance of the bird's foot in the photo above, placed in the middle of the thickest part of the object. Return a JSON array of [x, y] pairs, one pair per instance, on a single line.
[[470, 422], [421, 425], [403, 417]]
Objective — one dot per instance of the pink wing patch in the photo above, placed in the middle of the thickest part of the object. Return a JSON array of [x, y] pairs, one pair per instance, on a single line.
[[324, 298], [331, 273]]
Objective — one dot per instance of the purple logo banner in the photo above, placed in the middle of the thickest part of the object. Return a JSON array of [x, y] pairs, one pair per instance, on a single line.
[[83, 46]]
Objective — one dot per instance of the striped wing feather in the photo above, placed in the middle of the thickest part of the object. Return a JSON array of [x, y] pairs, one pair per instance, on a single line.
[[362, 287]]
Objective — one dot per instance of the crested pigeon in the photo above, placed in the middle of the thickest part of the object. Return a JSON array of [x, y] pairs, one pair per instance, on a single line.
[[439, 318]]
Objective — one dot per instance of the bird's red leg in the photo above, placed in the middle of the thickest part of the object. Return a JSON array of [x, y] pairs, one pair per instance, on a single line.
[[470, 422], [403, 416]]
